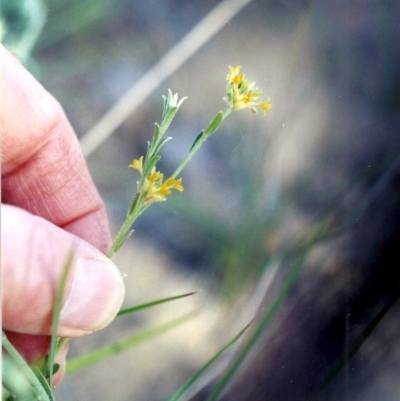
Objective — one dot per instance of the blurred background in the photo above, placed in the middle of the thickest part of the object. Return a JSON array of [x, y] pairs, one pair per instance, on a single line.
[[289, 220]]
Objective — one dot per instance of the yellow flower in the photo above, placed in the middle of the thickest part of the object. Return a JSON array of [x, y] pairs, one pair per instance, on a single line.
[[241, 93], [155, 176], [234, 76], [171, 183], [154, 190], [265, 106], [137, 164]]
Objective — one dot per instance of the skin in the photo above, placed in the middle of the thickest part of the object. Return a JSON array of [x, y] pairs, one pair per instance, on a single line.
[[51, 211]]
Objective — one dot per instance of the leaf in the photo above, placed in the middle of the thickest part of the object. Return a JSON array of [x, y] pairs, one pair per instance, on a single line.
[[162, 143], [56, 316], [165, 106], [156, 137], [133, 204], [183, 389], [14, 381], [248, 346], [44, 383], [19, 379], [98, 355], [140, 307], [197, 140], [149, 165], [169, 116], [214, 124]]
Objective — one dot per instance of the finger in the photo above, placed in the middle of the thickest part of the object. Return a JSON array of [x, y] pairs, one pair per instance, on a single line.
[[33, 260], [43, 169]]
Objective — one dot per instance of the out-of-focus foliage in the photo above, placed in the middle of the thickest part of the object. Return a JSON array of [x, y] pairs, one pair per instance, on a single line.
[[21, 22]]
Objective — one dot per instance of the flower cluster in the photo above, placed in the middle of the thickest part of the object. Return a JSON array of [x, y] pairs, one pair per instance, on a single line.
[[152, 188], [241, 93]]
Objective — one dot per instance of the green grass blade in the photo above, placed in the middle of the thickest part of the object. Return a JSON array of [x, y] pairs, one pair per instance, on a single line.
[[183, 389], [98, 355], [146, 305], [44, 383], [15, 383], [18, 378], [242, 354], [56, 317]]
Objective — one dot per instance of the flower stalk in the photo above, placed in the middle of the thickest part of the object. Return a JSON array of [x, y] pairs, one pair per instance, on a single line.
[[152, 188], [240, 94]]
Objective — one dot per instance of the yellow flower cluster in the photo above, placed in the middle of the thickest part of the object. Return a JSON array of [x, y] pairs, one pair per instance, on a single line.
[[153, 189], [241, 93]]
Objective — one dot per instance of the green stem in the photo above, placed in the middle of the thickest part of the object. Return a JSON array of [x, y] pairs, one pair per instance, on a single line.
[[124, 232], [138, 206], [211, 128]]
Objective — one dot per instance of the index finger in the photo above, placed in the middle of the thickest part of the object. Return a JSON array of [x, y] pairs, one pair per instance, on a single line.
[[43, 169]]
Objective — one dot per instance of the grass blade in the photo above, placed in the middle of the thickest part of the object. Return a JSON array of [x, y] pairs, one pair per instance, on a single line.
[[240, 357], [98, 355], [18, 378], [185, 387], [140, 307], [56, 317], [43, 381]]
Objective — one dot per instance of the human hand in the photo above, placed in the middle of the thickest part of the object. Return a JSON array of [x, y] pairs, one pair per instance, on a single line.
[[51, 208]]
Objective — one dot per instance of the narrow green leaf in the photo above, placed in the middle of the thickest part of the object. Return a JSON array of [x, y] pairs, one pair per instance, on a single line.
[[56, 316], [156, 137], [149, 165], [214, 124], [161, 143], [44, 383], [133, 203], [182, 390], [18, 378], [197, 140], [140, 307], [165, 106], [98, 355], [169, 116], [14, 381], [241, 356]]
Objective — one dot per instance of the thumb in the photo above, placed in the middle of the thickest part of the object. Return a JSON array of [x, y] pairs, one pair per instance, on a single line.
[[34, 255]]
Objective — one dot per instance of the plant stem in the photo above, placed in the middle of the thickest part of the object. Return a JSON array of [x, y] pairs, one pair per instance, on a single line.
[[201, 139], [124, 233]]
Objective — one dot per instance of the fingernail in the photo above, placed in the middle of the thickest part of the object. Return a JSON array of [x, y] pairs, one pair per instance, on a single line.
[[96, 295]]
